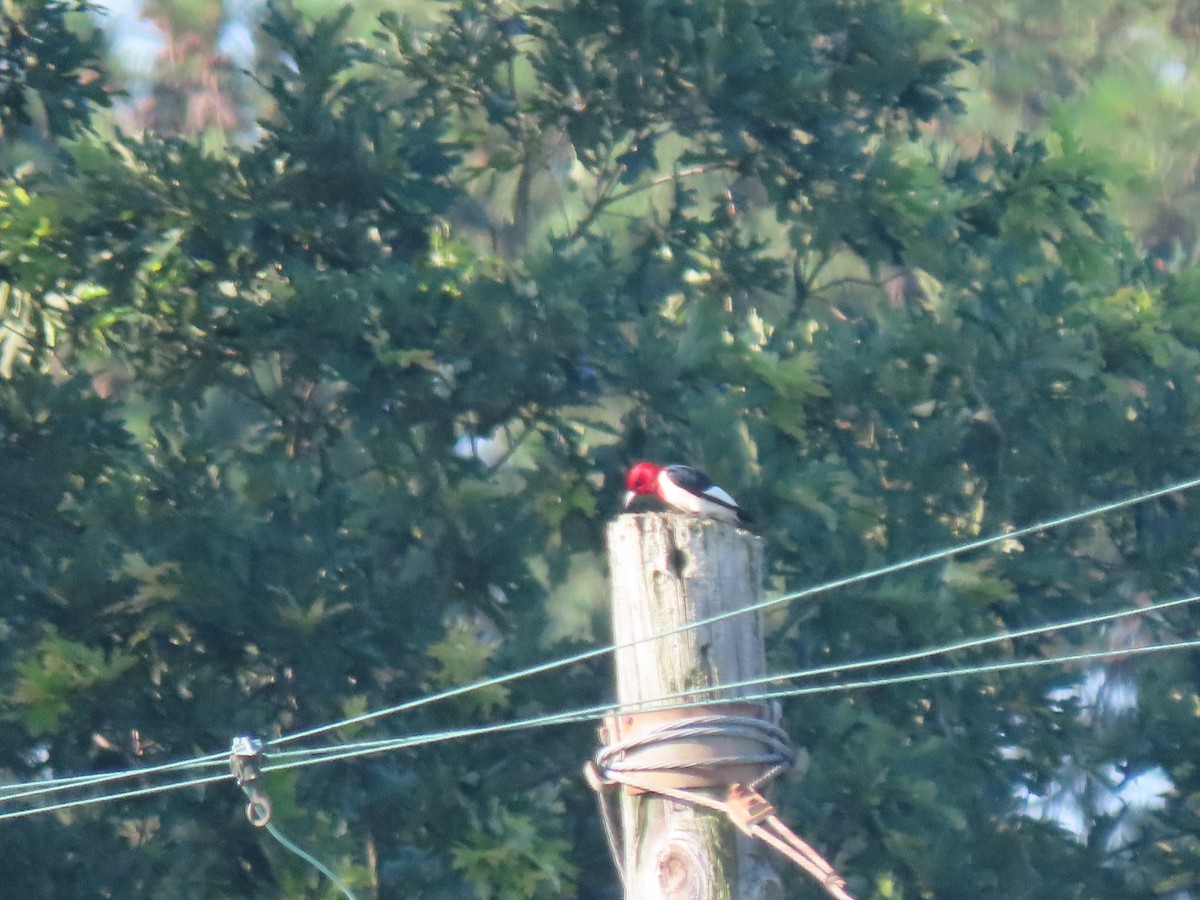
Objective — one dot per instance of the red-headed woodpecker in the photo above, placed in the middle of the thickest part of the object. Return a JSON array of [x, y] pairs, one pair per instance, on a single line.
[[684, 488]]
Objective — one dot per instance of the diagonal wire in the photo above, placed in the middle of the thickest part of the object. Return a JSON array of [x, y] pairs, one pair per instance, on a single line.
[[299, 759], [911, 656], [54, 785], [18, 791], [310, 859], [350, 751], [967, 644], [839, 668], [979, 669], [122, 795], [847, 581]]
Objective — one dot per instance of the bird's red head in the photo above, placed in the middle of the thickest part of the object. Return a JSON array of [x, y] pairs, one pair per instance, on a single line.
[[642, 478]]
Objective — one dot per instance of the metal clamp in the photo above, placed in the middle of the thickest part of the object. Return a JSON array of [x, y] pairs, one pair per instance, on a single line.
[[245, 761], [747, 808]]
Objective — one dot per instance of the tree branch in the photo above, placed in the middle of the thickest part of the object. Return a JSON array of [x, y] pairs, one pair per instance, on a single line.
[[601, 201]]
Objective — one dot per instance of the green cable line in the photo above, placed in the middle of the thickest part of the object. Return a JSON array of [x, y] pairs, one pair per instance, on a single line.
[[123, 795], [846, 581], [54, 785], [967, 644], [980, 669], [335, 754], [910, 656], [9, 792], [599, 712], [310, 859], [194, 782], [594, 713]]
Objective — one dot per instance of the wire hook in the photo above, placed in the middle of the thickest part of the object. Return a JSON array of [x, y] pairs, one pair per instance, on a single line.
[[245, 761]]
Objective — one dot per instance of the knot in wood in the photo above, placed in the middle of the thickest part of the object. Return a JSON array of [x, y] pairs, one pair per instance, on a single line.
[[682, 872]]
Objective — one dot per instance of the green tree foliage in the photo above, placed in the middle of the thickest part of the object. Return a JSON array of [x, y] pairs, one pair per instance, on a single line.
[[48, 75], [319, 425], [1121, 78]]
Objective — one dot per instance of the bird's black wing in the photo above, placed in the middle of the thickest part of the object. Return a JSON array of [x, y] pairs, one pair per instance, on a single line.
[[689, 478], [692, 479]]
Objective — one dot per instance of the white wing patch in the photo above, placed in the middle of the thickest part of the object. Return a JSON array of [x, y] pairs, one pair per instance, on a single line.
[[718, 493]]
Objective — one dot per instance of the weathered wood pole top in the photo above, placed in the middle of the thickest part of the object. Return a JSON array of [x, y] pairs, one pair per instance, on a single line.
[[668, 571]]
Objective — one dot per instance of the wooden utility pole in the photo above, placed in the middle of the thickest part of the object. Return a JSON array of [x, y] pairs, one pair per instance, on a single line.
[[669, 571]]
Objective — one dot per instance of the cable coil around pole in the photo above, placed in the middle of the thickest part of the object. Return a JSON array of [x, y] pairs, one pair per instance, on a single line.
[[684, 756], [696, 747]]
